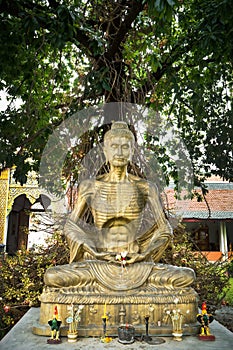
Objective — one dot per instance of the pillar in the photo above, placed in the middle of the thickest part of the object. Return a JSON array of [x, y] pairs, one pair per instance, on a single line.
[[4, 189], [223, 240]]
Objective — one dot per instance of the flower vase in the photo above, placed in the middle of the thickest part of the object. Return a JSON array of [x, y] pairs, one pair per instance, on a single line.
[[72, 337]]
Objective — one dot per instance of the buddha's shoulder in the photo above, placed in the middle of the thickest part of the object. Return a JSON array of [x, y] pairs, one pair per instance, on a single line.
[[91, 185], [143, 183], [137, 179], [86, 185], [102, 177]]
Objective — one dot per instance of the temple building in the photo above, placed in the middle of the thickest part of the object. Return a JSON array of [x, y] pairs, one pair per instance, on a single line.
[[24, 213], [209, 221]]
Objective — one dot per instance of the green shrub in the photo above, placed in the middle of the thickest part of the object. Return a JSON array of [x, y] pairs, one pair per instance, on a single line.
[[230, 269], [21, 278], [229, 293]]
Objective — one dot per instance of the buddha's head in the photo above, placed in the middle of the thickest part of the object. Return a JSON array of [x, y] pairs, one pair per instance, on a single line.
[[119, 144]]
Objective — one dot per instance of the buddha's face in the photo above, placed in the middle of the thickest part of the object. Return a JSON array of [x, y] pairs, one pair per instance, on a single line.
[[118, 150]]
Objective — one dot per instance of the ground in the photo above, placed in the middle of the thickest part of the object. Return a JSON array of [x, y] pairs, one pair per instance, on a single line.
[[225, 316]]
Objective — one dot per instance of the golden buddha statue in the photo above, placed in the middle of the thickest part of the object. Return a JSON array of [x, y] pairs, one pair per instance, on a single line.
[[127, 217], [114, 257]]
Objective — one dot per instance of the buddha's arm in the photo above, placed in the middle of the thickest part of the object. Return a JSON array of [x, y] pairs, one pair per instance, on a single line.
[[158, 213], [78, 237], [163, 231], [81, 203], [71, 227], [156, 239]]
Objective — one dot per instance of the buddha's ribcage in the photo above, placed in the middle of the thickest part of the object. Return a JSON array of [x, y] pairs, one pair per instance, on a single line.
[[114, 200]]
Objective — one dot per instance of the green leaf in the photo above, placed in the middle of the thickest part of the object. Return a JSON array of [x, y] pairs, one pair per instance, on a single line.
[[106, 85]]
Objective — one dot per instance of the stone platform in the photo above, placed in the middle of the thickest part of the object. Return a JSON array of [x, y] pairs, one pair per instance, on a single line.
[[22, 338]]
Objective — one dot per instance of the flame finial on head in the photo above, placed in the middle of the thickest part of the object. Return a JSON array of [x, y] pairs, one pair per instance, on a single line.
[[119, 128]]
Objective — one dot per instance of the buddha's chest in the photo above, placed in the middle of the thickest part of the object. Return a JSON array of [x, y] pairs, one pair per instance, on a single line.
[[118, 198]]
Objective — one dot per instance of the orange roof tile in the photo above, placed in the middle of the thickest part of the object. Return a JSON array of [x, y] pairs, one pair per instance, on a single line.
[[217, 202]]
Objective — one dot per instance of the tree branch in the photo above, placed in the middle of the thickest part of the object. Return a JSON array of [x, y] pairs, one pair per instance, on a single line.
[[13, 8], [177, 51], [136, 8]]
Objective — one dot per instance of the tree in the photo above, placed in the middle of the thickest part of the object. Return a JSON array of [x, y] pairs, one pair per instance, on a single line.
[[173, 56]]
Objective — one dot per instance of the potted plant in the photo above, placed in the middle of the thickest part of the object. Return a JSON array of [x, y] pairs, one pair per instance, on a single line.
[[74, 317]]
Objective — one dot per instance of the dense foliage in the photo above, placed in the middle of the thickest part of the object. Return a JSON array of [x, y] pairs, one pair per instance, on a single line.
[[21, 278], [173, 56], [228, 300]]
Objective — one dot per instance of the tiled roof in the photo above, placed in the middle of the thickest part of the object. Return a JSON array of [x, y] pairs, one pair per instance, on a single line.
[[218, 203], [207, 214], [212, 256]]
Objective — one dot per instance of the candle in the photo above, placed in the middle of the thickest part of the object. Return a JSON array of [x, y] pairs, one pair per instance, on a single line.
[[105, 310]]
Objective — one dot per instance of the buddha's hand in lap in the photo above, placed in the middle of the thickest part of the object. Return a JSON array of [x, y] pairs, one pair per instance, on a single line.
[[106, 256], [135, 257], [130, 258], [112, 257]]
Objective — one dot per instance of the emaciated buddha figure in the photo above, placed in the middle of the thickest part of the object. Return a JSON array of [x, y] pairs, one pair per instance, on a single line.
[[127, 218]]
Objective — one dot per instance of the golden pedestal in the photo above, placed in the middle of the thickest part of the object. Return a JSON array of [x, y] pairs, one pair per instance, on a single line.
[[121, 308]]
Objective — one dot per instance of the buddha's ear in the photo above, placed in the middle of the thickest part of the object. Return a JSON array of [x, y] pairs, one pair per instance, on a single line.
[[105, 154], [132, 151]]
